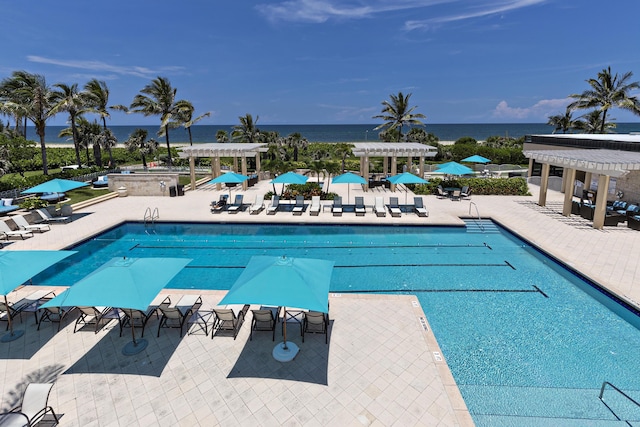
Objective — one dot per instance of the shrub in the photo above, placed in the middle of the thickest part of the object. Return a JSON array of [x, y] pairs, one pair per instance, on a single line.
[[479, 186], [34, 203]]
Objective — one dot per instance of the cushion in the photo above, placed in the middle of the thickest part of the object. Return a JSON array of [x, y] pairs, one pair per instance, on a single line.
[[7, 202]]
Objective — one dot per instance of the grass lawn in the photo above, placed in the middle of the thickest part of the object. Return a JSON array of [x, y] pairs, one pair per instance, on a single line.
[[84, 193]]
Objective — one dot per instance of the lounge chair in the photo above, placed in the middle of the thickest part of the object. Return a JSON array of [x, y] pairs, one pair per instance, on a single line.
[[394, 207], [360, 208], [237, 204], [24, 224], [220, 205], [4, 228], [378, 207], [137, 318], [314, 209], [176, 316], [337, 206], [53, 197], [30, 303], [273, 207], [32, 409], [263, 320], [298, 208], [441, 194], [465, 193], [47, 217], [257, 205], [101, 182], [419, 207], [315, 322], [95, 316], [227, 320]]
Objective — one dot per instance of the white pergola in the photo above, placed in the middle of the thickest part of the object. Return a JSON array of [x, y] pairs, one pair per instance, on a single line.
[[605, 163]]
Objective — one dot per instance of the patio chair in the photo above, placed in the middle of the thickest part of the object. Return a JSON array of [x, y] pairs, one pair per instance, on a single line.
[[465, 193], [4, 228], [379, 207], [456, 195], [419, 207], [226, 320], [394, 207], [336, 208], [22, 222], [32, 409], [32, 302], [95, 316], [273, 207], [220, 205], [360, 209], [137, 318], [298, 208], [54, 315], [47, 217], [176, 316], [257, 205], [314, 209], [440, 193], [237, 205], [315, 322], [263, 320]]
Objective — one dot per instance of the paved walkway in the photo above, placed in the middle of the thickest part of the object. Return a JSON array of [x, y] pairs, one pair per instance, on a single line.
[[376, 370]]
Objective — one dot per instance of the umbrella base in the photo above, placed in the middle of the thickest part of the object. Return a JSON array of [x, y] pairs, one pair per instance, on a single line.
[[282, 354], [132, 349], [11, 336]]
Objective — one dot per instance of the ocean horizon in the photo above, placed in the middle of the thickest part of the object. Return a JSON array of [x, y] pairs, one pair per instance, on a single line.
[[330, 133]]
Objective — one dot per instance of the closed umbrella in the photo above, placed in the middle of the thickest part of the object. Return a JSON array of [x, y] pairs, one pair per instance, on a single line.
[[55, 186], [348, 178], [282, 281], [130, 283], [16, 267], [406, 178]]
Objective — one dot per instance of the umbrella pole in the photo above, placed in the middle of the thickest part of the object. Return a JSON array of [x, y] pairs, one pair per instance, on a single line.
[[133, 334], [284, 329], [11, 335], [9, 320]]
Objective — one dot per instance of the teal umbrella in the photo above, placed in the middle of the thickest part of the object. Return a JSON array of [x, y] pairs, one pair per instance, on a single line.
[[55, 186], [122, 283], [349, 178], [453, 168], [476, 159], [406, 178], [287, 282], [229, 178], [288, 178], [17, 267]]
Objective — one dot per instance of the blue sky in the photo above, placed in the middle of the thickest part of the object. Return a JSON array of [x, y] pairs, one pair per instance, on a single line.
[[330, 61]]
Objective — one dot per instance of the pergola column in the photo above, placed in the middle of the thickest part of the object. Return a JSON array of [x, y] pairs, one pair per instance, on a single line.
[[409, 164], [569, 177], [601, 201], [245, 183], [258, 165], [530, 171], [421, 167], [394, 170], [192, 171], [385, 165], [365, 173], [587, 181], [215, 170], [235, 164], [544, 182]]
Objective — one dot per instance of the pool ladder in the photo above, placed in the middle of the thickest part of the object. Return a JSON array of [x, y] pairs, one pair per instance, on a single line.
[[480, 224], [622, 393], [150, 217]]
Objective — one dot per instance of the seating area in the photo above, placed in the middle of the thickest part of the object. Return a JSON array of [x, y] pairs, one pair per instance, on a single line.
[[101, 182], [6, 206], [618, 212]]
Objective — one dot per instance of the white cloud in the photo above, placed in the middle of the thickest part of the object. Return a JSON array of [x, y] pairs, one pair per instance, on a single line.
[[99, 66], [541, 110], [485, 8], [314, 11]]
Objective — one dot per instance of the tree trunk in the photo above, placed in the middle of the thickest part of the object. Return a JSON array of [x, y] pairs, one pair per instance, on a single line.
[[190, 138], [76, 145], [604, 119], [43, 149], [166, 134]]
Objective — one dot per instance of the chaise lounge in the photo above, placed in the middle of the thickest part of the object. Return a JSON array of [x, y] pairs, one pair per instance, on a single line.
[[379, 207], [394, 207]]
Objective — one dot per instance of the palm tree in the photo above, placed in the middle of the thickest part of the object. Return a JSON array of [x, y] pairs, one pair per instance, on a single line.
[[608, 91], [222, 136], [297, 142], [396, 113], [138, 142], [592, 123], [343, 150], [35, 97], [108, 141], [69, 99], [185, 117], [246, 131], [158, 99], [97, 100], [562, 122]]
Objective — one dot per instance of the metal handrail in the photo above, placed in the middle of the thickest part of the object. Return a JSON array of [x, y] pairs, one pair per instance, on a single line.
[[478, 213], [631, 399], [151, 216]]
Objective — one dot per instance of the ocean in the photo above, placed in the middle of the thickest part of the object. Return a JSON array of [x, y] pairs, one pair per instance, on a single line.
[[333, 133]]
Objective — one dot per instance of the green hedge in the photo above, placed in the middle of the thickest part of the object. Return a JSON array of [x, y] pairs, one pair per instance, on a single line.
[[479, 186]]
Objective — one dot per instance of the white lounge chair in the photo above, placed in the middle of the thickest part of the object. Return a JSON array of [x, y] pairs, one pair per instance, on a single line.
[[24, 224], [299, 206], [418, 206], [315, 206], [379, 207], [257, 205], [4, 228], [47, 217], [394, 207], [34, 406], [273, 207]]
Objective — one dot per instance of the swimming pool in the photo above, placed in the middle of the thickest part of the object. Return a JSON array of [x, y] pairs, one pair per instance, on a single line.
[[524, 338]]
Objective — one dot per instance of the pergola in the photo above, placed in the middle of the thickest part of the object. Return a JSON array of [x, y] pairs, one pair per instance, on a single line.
[[215, 151], [605, 163]]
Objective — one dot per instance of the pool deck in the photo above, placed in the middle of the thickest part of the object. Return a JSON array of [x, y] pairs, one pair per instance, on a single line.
[[382, 365]]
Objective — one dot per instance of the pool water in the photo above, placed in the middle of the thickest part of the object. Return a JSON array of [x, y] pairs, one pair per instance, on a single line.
[[528, 342]]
